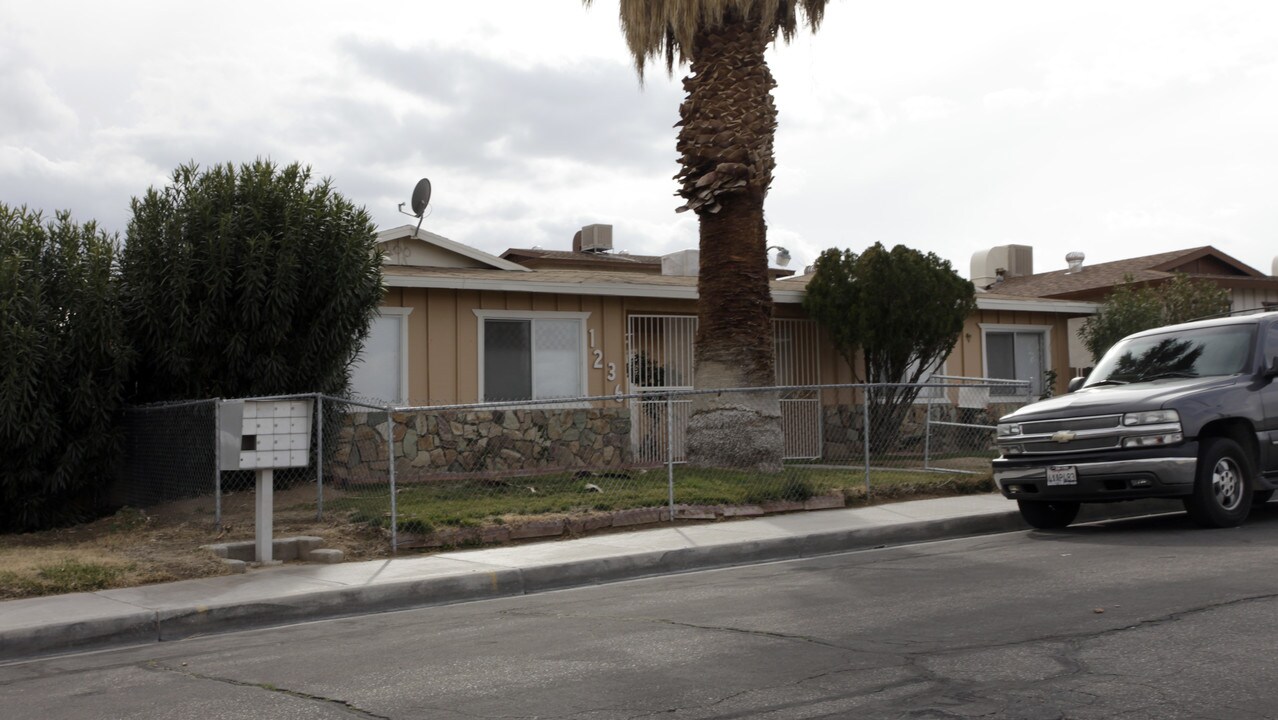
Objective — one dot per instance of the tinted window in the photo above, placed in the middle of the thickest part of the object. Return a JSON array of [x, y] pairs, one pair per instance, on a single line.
[[1271, 346], [1193, 353]]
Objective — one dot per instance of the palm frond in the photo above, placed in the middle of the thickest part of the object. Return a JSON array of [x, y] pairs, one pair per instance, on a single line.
[[665, 29]]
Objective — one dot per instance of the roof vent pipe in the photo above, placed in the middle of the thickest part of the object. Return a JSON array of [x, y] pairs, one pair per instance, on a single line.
[[1075, 260]]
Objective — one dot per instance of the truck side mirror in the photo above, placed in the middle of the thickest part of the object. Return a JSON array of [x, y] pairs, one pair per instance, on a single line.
[[1272, 370], [1075, 383]]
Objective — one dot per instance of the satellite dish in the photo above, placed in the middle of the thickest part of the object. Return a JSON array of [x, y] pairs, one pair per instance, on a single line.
[[421, 196]]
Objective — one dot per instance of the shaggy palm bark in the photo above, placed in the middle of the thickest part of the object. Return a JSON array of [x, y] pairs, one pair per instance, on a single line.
[[728, 122]]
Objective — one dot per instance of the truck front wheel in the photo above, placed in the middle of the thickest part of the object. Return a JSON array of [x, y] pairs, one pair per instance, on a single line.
[[1222, 494], [1048, 515]]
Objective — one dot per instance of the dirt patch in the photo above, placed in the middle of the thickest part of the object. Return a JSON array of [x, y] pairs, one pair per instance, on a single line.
[[162, 544]]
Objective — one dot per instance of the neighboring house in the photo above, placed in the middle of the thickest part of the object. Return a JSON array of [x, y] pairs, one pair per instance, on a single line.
[[459, 325], [1009, 270]]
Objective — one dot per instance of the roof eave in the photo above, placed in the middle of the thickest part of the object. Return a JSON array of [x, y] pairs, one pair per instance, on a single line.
[[677, 292]]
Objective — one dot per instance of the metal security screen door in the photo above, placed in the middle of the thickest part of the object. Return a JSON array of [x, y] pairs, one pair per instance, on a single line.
[[660, 360], [798, 364]]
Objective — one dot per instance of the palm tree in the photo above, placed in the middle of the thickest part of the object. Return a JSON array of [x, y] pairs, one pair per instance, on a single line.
[[726, 129]]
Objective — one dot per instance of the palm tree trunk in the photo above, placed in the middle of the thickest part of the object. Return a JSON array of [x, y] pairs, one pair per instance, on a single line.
[[728, 122]]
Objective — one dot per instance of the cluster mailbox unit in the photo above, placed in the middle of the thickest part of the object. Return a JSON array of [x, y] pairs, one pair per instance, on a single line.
[[263, 435]]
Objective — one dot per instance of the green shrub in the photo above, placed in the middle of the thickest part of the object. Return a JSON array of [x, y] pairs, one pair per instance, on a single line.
[[62, 368], [247, 281]]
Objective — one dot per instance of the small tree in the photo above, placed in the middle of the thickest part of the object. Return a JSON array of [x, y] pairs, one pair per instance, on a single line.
[[901, 310], [248, 281], [62, 368], [1131, 308]]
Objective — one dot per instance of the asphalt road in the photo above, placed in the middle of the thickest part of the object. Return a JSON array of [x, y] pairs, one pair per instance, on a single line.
[[1146, 618]]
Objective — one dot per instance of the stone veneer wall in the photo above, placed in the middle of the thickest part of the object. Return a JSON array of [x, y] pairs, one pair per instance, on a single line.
[[842, 424], [493, 442]]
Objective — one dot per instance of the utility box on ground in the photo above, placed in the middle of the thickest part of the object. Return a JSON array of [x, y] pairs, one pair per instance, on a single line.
[[257, 434]]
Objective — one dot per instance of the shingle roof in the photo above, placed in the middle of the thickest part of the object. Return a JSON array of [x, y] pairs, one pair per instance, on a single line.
[[618, 258], [1091, 279], [631, 284], [558, 280]]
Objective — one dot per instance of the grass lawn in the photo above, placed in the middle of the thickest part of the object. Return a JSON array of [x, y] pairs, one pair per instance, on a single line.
[[425, 506]]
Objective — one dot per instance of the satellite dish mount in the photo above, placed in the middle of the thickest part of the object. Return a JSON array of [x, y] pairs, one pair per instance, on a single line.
[[421, 198]]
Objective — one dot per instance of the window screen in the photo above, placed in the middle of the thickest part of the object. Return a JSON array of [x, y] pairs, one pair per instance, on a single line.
[[532, 359]]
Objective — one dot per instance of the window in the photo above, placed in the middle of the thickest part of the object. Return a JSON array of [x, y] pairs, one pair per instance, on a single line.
[[1204, 352], [1270, 358], [531, 355], [380, 371], [1016, 353], [928, 394]]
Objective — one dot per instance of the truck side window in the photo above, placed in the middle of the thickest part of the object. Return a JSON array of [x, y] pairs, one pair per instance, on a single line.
[[1271, 346]]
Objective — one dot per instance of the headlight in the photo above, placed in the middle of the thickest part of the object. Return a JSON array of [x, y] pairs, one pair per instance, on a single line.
[[1005, 429], [1151, 417], [1152, 440]]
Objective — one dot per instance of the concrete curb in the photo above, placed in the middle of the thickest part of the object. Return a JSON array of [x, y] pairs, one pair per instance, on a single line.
[[119, 623]]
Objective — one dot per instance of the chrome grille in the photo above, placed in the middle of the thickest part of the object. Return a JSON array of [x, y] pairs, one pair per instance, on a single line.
[[1047, 427], [1081, 444]]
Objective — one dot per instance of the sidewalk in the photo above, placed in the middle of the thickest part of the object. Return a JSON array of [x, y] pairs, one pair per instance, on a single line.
[[300, 592]]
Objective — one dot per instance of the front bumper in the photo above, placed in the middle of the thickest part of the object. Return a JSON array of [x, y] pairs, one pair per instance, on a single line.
[[1168, 472]]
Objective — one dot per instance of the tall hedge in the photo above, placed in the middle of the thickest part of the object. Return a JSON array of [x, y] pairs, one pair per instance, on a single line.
[[244, 281], [901, 310], [62, 368]]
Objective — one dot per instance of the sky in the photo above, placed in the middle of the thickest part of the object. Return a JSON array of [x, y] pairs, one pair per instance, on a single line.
[[1111, 128]]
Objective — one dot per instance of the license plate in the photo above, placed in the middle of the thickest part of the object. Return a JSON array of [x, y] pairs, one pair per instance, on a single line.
[[1062, 475]]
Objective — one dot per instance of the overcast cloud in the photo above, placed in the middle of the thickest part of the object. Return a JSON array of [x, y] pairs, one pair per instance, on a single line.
[[1116, 129]]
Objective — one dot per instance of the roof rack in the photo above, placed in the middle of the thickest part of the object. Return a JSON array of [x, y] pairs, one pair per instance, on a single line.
[[1266, 307]]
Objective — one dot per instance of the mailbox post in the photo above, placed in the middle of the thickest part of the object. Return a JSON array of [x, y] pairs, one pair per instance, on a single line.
[[263, 435]]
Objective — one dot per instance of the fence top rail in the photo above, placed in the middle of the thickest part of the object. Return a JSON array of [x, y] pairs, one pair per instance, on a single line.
[[263, 398], [982, 381], [170, 405], [644, 394]]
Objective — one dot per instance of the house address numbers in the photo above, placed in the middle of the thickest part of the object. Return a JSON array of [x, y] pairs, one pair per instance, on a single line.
[[597, 354]]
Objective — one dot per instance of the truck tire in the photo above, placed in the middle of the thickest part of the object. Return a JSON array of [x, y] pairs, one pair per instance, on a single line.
[[1046, 514], [1222, 493]]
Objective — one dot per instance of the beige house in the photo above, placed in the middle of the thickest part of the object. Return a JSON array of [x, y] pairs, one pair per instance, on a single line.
[[1009, 270], [460, 326]]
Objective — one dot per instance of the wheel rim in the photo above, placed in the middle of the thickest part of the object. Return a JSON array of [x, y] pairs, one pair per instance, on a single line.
[[1227, 484]]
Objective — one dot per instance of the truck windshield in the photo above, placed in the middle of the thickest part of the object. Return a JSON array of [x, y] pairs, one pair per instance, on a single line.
[[1187, 353]]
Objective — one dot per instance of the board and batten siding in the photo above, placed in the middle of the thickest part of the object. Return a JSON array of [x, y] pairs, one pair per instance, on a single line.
[[968, 357], [444, 330]]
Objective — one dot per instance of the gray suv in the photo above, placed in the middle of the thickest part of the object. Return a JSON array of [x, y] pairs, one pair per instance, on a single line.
[[1185, 411]]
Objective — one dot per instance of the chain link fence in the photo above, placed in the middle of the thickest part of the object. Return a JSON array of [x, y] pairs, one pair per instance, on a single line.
[[169, 453], [473, 474]]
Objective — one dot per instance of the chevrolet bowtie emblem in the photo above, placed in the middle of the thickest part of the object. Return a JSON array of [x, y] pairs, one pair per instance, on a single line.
[[1063, 436]]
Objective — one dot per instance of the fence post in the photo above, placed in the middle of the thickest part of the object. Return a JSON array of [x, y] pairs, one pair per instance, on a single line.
[[865, 436], [927, 437], [390, 465], [670, 451], [319, 456], [217, 463]]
